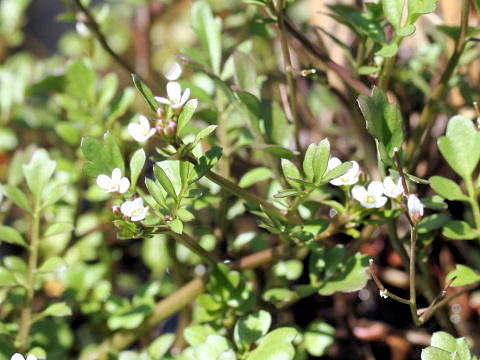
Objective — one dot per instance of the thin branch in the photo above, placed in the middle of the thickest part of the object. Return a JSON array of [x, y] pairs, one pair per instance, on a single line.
[[93, 25]]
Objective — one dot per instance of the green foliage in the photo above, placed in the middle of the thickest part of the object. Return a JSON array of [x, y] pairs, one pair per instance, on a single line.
[[445, 346]]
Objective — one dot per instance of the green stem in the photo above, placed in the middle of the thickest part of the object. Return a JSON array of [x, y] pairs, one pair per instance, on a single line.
[[413, 296], [26, 314], [288, 72], [388, 67], [191, 244], [415, 145], [473, 199]]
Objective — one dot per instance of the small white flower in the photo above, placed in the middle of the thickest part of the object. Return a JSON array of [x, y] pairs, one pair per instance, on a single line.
[[349, 178], [141, 132], [116, 183], [391, 189], [383, 294], [175, 97], [173, 71], [372, 197], [415, 207], [82, 30], [134, 209], [18, 356]]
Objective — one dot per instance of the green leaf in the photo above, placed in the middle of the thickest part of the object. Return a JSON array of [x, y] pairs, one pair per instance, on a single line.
[[8, 139], [186, 115], [352, 276], [203, 133], [164, 180], [250, 328], [432, 222], [245, 73], [290, 269], [316, 160], [18, 197], [197, 334], [337, 172], [145, 91], [136, 165], [212, 348], [103, 158], [120, 105], [280, 296], [393, 11], [12, 236], [159, 347], [318, 337], [388, 50], [254, 176], [447, 188], [278, 128], [461, 146], [82, 81], [459, 230], [176, 225], [209, 30], [68, 132], [38, 172], [206, 162], [277, 150], [58, 228], [419, 7], [290, 172], [57, 310], [108, 90], [367, 70], [464, 275], [129, 318], [53, 264], [433, 353], [406, 30], [6, 278], [384, 121], [156, 192], [276, 345]]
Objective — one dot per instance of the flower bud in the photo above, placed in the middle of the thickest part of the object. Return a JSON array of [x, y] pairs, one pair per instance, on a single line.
[[415, 207]]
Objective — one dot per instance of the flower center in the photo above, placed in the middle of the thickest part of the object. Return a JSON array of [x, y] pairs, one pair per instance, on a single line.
[[370, 199], [137, 211]]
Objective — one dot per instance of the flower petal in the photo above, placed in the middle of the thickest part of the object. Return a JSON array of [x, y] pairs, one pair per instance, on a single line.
[[104, 182], [17, 356], [359, 193], [174, 92], [116, 175], [173, 71], [126, 208], [333, 163], [31, 357], [162, 100], [136, 132], [124, 184], [375, 188]]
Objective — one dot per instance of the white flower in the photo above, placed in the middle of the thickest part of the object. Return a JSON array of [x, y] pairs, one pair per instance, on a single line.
[[349, 178], [141, 132], [18, 356], [173, 71], [175, 98], [134, 209], [82, 29], [116, 183], [372, 197], [415, 207], [383, 294], [391, 189]]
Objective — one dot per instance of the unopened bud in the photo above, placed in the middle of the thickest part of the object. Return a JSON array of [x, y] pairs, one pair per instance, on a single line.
[[415, 207], [171, 127], [116, 210], [160, 113]]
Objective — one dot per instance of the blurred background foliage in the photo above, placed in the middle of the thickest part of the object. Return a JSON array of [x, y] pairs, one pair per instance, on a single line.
[[58, 85]]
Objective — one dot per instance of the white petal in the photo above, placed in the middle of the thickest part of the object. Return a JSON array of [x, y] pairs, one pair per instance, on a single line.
[[17, 356], [150, 133], [162, 100], [333, 163], [185, 96], [123, 185], [31, 357], [142, 215], [144, 121], [174, 92], [380, 201], [173, 72], [388, 183], [104, 182], [116, 175], [359, 193], [127, 208], [135, 131], [375, 188], [138, 202]]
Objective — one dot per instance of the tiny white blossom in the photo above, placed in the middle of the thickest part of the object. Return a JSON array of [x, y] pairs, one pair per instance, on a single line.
[[134, 209], [141, 131], [372, 197], [116, 183], [383, 294], [82, 30], [415, 207], [391, 189], [18, 356], [349, 178], [175, 97], [173, 71]]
